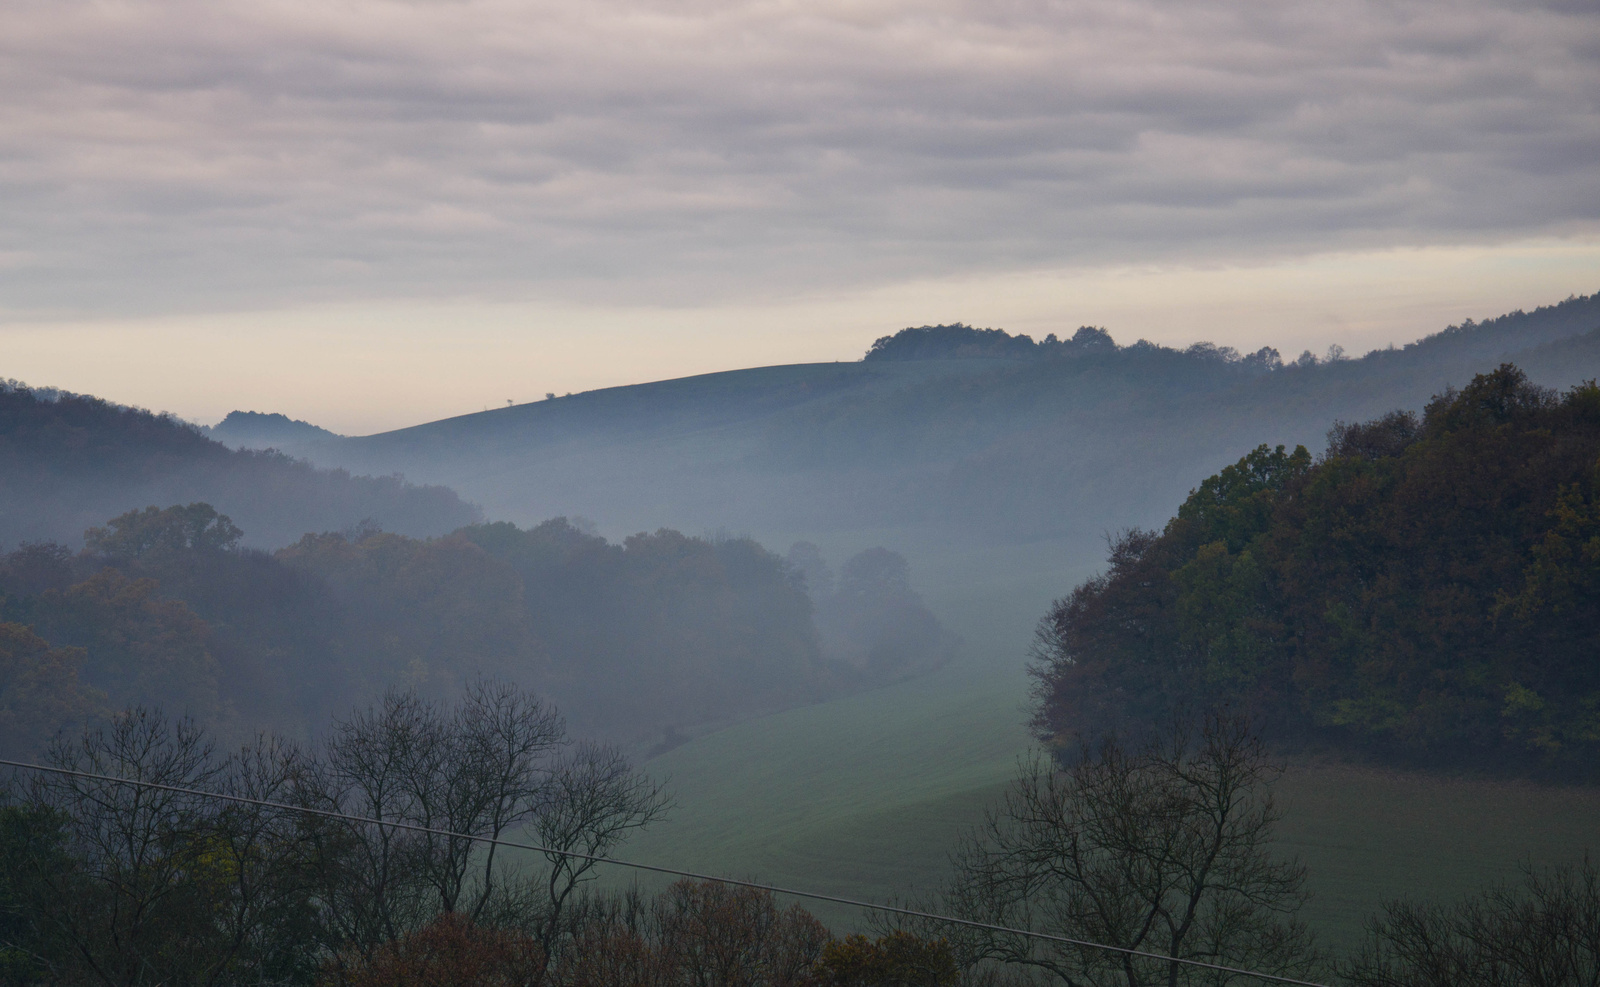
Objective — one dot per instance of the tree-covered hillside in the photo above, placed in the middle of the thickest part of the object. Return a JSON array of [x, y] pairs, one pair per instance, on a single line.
[[1428, 589], [647, 640], [68, 461]]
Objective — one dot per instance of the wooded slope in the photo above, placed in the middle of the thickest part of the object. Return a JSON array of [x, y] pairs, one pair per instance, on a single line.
[[69, 461], [1429, 589]]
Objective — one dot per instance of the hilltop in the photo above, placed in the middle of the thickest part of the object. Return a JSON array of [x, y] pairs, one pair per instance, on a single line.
[[258, 430]]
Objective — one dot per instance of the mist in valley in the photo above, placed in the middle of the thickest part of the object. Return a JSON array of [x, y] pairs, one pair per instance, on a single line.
[[765, 538], [811, 602], [997, 465], [950, 495]]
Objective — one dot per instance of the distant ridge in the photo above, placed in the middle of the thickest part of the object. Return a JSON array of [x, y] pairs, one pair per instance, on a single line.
[[1515, 331], [262, 430], [947, 431], [963, 447], [1503, 334], [70, 461]]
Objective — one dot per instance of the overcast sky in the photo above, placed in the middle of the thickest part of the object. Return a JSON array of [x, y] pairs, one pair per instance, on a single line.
[[374, 213]]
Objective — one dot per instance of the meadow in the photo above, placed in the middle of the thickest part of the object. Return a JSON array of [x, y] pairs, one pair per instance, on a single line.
[[863, 796]]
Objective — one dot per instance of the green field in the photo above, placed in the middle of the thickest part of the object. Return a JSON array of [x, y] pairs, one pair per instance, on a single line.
[[864, 795]]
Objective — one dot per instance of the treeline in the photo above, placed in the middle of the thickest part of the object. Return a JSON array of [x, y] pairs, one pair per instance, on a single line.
[[656, 635], [1491, 337], [699, 933], [1429, 589], [963, 342], [68, 461]]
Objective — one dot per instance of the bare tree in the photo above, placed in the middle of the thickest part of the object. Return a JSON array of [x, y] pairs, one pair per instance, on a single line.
[[1545, 933], [262, 861], [371, 875], [496, 763], [508, 738], [150, 886], [117, 884], [1161, 848], [594, 800]]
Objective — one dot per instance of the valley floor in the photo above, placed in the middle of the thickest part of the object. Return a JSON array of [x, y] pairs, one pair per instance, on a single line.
[[864, 796]]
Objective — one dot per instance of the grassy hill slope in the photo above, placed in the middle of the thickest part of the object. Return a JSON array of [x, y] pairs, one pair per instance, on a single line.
[[863, 796]]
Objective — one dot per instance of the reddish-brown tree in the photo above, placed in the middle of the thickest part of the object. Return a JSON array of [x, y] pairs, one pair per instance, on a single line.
[[448, 952], [713, 934], [898, 959]]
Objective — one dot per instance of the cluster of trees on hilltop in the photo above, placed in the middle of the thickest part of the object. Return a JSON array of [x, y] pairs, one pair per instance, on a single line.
[[1488, 338], [1035, 447], [963, 342], [662, 631], [1428, 589], [959, 341], [953, 342], [68, 461]]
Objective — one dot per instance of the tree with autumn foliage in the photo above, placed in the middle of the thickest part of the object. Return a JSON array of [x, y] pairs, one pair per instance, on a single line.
[[450, 951], [1426, 590], [898, 959], [40, 691], [692, 933]]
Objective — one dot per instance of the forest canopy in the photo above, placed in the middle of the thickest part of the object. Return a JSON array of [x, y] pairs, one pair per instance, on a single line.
[[659, 634], [959, 341], [1428, 589]]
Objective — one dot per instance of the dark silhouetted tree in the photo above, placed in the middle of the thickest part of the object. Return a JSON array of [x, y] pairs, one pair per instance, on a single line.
[[1164, 847], [1543, 933]]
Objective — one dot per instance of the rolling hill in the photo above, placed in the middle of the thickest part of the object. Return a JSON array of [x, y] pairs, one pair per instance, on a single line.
[[999, 476]]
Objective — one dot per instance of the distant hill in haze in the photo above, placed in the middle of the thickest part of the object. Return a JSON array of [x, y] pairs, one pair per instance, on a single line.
[[69, 461], [997, 463], [258, 430]]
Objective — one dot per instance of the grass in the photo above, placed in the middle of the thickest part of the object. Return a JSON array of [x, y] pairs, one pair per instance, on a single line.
[[863, 797], [1367, 834]]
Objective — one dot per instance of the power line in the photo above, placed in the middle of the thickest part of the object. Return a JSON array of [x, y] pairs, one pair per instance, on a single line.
[[735, 882]]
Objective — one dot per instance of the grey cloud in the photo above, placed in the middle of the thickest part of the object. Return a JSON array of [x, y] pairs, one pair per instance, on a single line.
[[166, 155]]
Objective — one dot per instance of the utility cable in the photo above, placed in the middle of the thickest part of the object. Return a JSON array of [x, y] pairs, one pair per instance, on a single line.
[[594, 858]]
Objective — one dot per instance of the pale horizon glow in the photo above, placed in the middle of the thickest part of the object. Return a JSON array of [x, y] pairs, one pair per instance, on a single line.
[[367, 367]]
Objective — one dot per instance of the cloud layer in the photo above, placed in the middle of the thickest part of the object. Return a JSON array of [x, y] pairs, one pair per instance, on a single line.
[[189, 154]]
